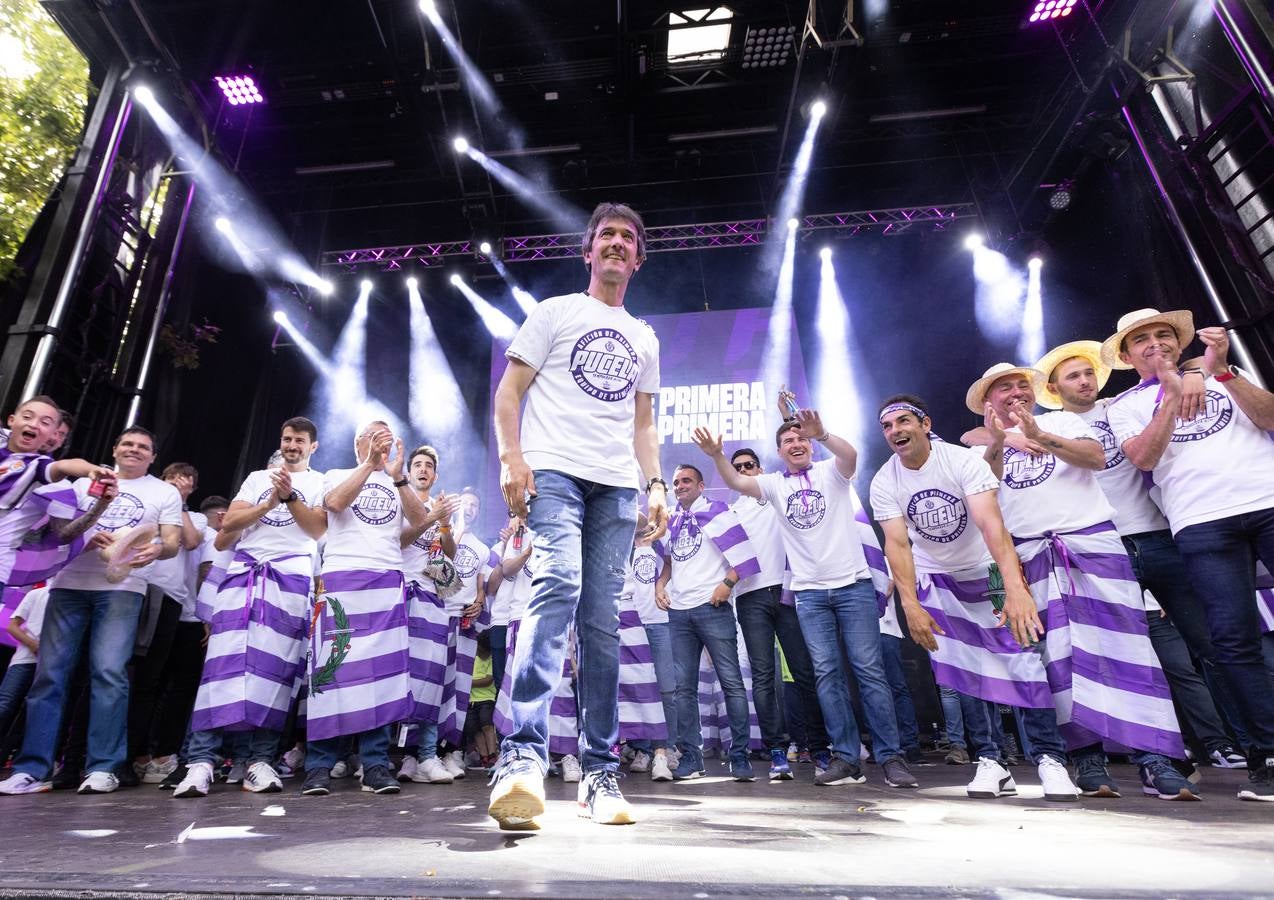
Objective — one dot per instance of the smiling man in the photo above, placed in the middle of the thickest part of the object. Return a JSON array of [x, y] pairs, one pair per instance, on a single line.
[[1216, 474]]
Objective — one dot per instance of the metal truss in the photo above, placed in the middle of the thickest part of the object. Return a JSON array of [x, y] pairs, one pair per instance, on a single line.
[[659, 238]]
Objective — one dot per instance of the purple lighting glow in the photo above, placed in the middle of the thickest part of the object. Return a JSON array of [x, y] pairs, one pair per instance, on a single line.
[[1046, 10], [239, 89]]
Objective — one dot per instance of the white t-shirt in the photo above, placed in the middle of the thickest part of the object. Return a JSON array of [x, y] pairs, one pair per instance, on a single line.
[[931, 500], [417, 554], [816, 520], [889, 621], [474, 565], [366, 535], [1218, 465], [519, 586], [141, 501], [31, 611], [1124, 485], [176, 576], [764, 534], [646, 567], [1039, 494], [276, 533], [697, 565], [589, 358]]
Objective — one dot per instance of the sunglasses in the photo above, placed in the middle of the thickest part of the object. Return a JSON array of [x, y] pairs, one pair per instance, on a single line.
[[745, 466]]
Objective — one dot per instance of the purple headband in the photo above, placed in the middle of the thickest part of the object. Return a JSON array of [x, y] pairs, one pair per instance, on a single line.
[[920, 414]]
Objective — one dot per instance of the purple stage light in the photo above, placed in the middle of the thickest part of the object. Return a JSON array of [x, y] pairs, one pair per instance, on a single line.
[[1048, 10], [239, 89]]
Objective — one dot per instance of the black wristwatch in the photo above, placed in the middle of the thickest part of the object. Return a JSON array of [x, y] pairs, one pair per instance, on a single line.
[[654, 481], [402, 482], [292, 497]]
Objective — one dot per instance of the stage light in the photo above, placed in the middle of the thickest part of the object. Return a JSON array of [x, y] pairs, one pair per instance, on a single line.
[[793, 224], [498, 324], [485, 248], [837, 384], [1060, 199], [818, 109], [222, 224], [767, 47], [411, 282], [1035, 262], [1030, 344], [143, 95], [973, 242], [365, 285], [455, 279], [239, 89], [825, 254], [281, 317], [461, 145], [1048, 10], [428, 8], [326, 288]]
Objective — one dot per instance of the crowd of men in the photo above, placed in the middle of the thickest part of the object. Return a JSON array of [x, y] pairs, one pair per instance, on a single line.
[[1093, 567]]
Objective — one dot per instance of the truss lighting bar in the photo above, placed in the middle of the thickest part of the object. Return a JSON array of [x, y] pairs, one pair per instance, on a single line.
[[1047, 10], [768, 47], [661, 238], [239, 89]]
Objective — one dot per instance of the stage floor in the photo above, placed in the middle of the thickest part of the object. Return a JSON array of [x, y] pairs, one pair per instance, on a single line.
[[708, 838]]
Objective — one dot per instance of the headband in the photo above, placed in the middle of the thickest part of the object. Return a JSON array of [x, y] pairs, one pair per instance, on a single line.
[[903, 407]]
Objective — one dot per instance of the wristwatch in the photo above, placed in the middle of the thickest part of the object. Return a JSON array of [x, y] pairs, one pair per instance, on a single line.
[[1227, 376], [402, 482], [654, 481], [292, 497]]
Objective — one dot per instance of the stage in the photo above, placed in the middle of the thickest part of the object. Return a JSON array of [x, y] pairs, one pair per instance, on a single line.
[[708, 838]]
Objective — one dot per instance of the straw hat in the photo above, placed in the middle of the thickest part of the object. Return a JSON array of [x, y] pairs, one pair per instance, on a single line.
[[1181, 320], [975, 399], [1089, 351]]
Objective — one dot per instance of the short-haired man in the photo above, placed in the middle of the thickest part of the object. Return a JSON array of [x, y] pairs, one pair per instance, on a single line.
[[925, 497], [85, 598], [258, 615], [588, 372], [1216, 475], [1103, 672], [767, 613], [428, 552], [1178, 619], [705, 556], [837, 602], [360, 669]]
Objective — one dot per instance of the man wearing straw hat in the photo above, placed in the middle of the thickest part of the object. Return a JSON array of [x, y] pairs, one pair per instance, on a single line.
[[1105, 678], [1216, 474]]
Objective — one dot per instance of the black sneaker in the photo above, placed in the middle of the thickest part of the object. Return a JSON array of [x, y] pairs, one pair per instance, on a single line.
[[839, 772], [173, 778], [1093, 778], [1260, 779], [127, 775], [69, 776], [897, 774], [318, 783], [378, 780]]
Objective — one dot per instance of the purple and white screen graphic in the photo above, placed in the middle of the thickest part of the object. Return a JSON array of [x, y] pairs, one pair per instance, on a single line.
[[710, 370]]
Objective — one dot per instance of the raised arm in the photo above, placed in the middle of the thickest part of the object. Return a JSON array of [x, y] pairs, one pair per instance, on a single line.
[[1084, 452], [339, 498], [1256, 403], [711, 446], [1145, 449], [812, 427]]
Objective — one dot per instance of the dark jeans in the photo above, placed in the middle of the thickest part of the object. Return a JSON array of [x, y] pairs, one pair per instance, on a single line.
[[13, 691], [185, 666], [150, 675], [904, 708], [762, 618], [499, 635], [1221, 558], [1194, 703]]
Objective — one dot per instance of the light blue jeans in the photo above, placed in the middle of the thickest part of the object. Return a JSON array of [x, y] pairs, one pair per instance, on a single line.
[[109, 620], [659, 638], [848, 617], [583, 538]]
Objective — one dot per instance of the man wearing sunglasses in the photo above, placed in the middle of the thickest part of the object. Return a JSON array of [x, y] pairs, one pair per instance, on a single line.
[[765, 611]]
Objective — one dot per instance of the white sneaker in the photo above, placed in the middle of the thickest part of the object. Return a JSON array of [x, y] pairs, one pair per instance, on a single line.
[[22, 783], [197, 782], [262, 779], [571, 770], [1056, 781], [99, 783], [431, 771], [407, 771], [345, 767], [154, 772], [1228, 758], [659, 769], [990, 781], [295, 759], [453, 762], [641, 762]]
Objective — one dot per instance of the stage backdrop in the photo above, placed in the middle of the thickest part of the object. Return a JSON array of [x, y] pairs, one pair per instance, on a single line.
[[710, 374]]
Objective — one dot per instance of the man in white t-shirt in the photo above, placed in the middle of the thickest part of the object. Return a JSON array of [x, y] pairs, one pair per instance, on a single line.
[[360, 668], [1106, 679], [88, 597], [836, 600], [588, 372], [259, 614], [1178, 619], [1216, 475], [707, 553], [766, 613], [925, 498]]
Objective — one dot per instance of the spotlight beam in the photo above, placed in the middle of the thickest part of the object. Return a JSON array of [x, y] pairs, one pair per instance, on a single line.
[[836, 388], [501, 326], [794, 191], [1030, 344], [538, 196], [525, 300], [776, 358]]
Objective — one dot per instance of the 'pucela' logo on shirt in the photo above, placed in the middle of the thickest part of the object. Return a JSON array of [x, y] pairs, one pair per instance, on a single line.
[[604, 365]]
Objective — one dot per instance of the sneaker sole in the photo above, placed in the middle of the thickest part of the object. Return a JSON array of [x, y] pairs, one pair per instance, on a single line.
[[662, 778], [1182, 794], [273, 787], [425, 779], [189, 792], [1105, 791], [517, 809], [621, 817], [744, 778], [902, 784], [95, 791], [42, 787], [1260, 798], [315, 792], [387, 789], [1062, 798], [691, 776], [839, 781], [782, 776], [992, 795]]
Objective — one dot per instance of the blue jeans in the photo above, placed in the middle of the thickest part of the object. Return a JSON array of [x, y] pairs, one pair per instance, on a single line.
[[427, 741], [109, 620], [206, 746], [583, 539], [659, 636], [13, 690], [847, 616], [692, 630], [1221, 559], [373, 750], [762, 618], [904, 708], [499, 636]]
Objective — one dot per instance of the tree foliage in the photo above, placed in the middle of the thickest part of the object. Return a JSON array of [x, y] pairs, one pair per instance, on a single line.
[[44, 89]]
